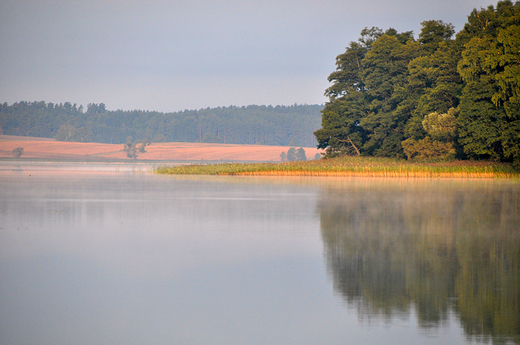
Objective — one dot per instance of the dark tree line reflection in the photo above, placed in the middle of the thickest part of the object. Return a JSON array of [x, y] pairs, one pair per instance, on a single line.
[[441, 248]]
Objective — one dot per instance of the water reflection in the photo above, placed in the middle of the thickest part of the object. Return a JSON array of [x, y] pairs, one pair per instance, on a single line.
[[125, 257], [435, 248]]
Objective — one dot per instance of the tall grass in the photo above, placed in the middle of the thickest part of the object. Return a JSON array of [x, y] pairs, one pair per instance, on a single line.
[[352, 166]]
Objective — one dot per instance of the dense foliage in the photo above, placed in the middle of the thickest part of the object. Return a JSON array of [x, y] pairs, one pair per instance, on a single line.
[[435, 97], [279, 125]]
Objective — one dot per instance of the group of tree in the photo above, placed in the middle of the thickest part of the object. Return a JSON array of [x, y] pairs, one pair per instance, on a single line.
[[268, 125], [131, 148], [293, 155], [436, 97]]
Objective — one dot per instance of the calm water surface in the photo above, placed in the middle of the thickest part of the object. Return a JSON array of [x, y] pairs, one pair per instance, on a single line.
[[112, 254]]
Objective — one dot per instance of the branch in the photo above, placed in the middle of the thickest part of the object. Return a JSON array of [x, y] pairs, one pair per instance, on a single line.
[[351, 143]]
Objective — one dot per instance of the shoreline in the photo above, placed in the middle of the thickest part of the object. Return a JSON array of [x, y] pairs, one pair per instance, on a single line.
[[343, 167], [353, 167]]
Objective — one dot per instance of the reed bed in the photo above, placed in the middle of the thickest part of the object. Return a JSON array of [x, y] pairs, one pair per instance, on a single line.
[[352, 166]]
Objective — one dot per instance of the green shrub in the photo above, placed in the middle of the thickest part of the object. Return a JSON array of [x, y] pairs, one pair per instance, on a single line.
[[428, 149]]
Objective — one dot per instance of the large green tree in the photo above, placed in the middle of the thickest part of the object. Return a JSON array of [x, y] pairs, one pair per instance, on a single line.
[[348, 102], [366, 92], [489, 119], [385, 75], [434, 84]]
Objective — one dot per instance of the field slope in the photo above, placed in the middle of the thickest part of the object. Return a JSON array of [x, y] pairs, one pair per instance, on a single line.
[[50, 149]]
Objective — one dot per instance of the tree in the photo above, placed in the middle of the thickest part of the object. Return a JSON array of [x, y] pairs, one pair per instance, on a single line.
[[300, 154], [291, 154], [93, 108], [283, 156], [489, 120], [441, 127], [480, 122], [385, 75], [440, 143], [434, 85], [341, 124], [505, 57], [347, 79], [347, 98], [364, 113], [433, 32], [17, 152], [428, 149], [130, 148]]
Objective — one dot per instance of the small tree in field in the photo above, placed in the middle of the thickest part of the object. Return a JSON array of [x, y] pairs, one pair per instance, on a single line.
[[291, 154], [17, 152], [130, 148], [300, 154]]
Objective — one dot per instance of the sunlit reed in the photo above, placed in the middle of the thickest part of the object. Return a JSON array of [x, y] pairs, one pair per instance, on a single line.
[[352, 166]]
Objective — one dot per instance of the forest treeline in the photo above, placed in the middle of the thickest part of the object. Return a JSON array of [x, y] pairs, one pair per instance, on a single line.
[[268, 125], [441, 96]]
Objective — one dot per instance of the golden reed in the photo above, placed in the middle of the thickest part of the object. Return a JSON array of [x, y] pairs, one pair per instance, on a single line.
[[373, 174]]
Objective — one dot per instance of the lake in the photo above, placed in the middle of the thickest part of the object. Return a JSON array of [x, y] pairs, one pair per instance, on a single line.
[[113, 254]]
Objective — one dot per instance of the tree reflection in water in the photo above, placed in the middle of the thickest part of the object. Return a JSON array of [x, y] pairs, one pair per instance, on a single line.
[[439, 247]]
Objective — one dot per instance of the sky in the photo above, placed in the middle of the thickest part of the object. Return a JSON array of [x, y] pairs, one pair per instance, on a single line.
[[171, 55]]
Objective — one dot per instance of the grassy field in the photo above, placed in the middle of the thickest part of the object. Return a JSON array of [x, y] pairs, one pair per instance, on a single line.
[[50, 149], [352, 166]]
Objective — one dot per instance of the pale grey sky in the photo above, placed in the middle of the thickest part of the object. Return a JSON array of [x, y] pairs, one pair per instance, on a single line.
[[171, 55]]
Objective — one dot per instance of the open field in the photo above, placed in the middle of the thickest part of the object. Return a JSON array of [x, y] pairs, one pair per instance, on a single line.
[[353, 166], [50, 149]]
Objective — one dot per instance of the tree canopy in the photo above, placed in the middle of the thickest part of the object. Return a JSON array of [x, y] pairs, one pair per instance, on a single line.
[[388, 83]]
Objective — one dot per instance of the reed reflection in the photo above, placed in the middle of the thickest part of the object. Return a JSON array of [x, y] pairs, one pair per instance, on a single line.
[[439, 248]]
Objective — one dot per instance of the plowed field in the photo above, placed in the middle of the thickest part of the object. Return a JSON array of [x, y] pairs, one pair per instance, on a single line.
[[50, 149]]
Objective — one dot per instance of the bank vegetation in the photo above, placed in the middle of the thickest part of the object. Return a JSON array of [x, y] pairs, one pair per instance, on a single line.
[[353, 166]]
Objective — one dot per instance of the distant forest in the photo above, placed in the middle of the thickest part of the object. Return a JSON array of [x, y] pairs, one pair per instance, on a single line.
[[267, 125], [439, 97]]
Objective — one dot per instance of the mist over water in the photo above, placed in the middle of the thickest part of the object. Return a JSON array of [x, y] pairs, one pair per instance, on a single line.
[[117, 255]]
